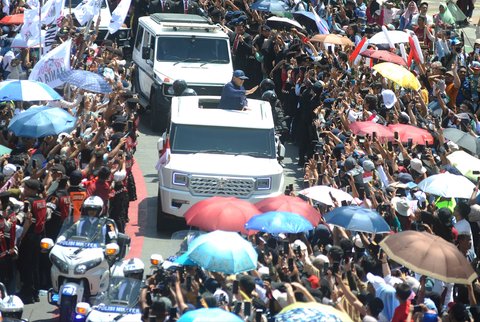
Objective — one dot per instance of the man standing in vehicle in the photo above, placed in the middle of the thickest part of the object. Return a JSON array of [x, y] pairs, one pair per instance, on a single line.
[[234, 95]]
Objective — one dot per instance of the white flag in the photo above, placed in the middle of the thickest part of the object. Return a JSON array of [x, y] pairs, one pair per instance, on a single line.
[[49, 68], [118, 16], [51, 10], [30, 28], [86, 10]]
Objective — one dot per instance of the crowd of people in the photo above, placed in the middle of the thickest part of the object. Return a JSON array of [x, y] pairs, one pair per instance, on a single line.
[[317, 92]]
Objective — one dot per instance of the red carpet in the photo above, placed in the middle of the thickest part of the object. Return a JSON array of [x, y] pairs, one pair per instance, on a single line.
[[136, 211]]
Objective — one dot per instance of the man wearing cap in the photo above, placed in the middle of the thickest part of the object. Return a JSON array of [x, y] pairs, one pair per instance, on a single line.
[[58, 201], [234, 95], [241, 43]]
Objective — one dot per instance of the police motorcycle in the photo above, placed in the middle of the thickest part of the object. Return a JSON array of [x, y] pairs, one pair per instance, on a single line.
[[11, 306], [121, 300], [81, 258]]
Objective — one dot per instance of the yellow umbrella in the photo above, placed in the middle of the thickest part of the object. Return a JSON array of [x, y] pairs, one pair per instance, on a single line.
[[325, 313], [398, 74], [465, 163]]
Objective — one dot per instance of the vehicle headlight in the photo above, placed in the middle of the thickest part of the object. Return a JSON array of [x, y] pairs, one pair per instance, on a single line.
[[82, 268], [263, 183], [60, 264], [180, 179]]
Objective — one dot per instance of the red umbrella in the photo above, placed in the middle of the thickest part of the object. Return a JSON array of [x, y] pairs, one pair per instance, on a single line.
[[222, 213], [12, 20], [384, 55], [364, 128], [419, 136], [290, 204]]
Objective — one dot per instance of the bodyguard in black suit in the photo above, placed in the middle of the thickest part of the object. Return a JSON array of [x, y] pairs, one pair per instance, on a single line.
[[187, 7], [242, 52], [160, 6]]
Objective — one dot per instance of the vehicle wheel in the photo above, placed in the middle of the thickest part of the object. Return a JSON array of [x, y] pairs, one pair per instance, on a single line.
[[164, 222], [67, 309], [155, 114]]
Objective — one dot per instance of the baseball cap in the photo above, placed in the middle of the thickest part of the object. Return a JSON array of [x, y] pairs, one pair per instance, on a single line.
[[368, 165], [33, 184], [417, 166], [389, 98], [239, 74], [9, 169]]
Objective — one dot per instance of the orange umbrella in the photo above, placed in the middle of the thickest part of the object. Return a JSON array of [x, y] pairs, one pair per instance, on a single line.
[[333, 39], [12, 20]]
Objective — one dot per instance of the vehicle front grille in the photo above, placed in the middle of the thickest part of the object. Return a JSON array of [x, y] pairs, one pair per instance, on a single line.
[[220, 186]]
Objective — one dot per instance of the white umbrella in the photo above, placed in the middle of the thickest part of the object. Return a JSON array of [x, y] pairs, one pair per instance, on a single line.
[[322, 194], [463, 139], [447, 185], [465, 163], [396, 36]]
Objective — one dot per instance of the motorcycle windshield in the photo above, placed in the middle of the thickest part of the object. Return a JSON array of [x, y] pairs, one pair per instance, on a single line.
[[121, 297], [85, 233]]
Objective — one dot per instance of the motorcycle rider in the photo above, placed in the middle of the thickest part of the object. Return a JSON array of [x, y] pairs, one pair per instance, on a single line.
[[133, 269], [91, 221]]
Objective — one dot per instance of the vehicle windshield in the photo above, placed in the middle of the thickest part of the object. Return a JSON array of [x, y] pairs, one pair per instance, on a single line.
[[222, 140], [81, 233], [193, 49], [121, 297]]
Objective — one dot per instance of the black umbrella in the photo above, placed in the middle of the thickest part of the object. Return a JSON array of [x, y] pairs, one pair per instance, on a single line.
[[281, 23]]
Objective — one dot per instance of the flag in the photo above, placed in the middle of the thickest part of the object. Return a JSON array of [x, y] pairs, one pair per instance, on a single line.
[[362, 45], [387, 36], [165, 156], [322, 25], [48, 69], [30, 28], [86, 10], [118, 16], [413, 51], [50, 35], [51, 10]]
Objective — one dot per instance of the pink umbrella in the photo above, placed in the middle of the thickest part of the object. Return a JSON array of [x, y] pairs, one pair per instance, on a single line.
[[290, 204], [419, 136], [384, 55], [363, 128]]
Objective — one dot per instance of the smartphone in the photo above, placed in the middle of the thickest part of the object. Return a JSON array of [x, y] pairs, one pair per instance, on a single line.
[[130, 126], [78, 132], [235, 287], [286, 246], [325, 267], [290, 264], [410, 143], [72, 143], [298, 251], [390, 146], [290, 186], [417, 309], [316, 157], [237, 307], [173, 314], [258, 315], [26, 207], [247, 309], [189, 283], [330, 50], [34, 163], [326, 140], [395, 135], [476, 172], [374, 136]]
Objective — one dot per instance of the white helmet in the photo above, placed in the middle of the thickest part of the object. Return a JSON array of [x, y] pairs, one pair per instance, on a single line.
[[93, 202], [134, 268]]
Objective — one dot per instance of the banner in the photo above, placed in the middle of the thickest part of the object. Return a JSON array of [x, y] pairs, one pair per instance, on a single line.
[[86, 10], [52, 65], [50, 35], [118, 16], [51, 10], [30, 28]]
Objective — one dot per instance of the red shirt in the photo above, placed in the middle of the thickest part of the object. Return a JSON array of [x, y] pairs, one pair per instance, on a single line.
[[99, 188], [401, 312]]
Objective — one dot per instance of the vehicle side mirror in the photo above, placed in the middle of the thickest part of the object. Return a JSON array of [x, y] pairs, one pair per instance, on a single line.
[[145, 52], [111, 249], [46, 244], [160, 144]]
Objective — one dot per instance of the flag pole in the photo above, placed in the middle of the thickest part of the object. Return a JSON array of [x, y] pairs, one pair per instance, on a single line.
[[40, 29]]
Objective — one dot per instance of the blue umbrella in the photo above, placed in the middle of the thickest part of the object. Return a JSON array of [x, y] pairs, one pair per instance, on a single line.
[[87, 80], [270, 6], [357, 219], [184, 260], [276, 222], [222, 251], [26, 90], [42, 121], [210, 315]]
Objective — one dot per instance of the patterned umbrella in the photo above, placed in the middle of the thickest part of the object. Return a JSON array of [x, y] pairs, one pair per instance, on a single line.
[[87, 80], [311, 312], [270, 6], [210, 315]]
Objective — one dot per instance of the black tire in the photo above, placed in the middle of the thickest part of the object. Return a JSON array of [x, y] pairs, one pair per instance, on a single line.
[[155, 114], [67, 309], [164, 221]]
